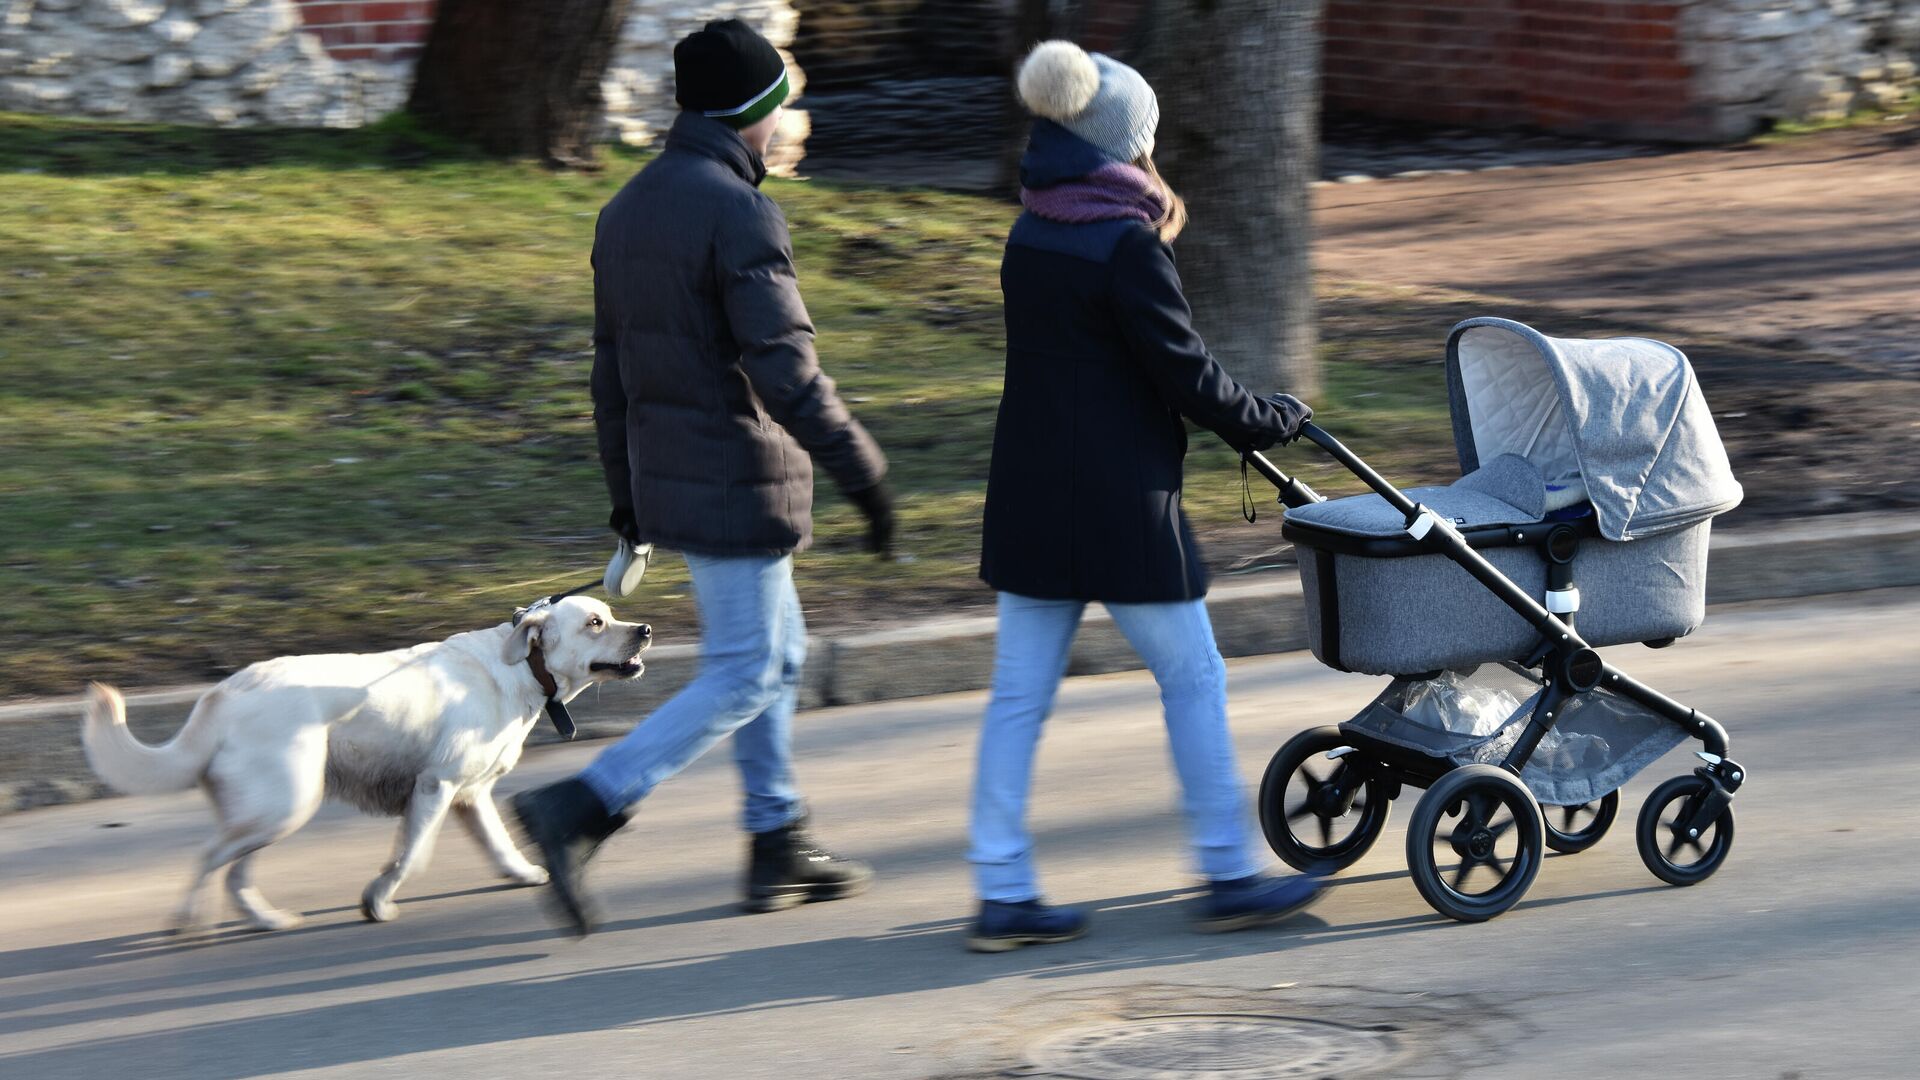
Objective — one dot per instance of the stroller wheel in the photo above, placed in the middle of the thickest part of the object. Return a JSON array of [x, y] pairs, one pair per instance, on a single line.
[[1675, 857], [1572, 829], [1475, 842], [1321, 815]]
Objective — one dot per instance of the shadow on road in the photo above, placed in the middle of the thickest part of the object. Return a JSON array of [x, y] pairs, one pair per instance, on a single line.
[[906, 959]]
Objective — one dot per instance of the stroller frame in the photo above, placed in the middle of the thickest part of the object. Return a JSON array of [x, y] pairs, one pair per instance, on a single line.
[[1569, 668]]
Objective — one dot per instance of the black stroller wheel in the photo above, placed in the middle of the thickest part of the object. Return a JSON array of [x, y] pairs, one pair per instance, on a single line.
[[1573, 829], [1672, 855], [1321, 815], [1475, 842]]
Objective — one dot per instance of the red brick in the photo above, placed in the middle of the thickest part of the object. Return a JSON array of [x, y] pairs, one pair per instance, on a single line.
[[352, 54], [400, 33], [1583, 9], [323, 14]]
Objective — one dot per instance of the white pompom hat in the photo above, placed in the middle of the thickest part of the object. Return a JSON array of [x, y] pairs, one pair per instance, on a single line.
[[1096, 97]]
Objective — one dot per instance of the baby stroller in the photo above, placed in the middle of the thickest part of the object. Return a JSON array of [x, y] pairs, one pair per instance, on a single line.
[[1588, 463]]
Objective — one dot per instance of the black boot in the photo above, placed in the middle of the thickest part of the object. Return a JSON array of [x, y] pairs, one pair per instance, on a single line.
[[787, 867], [567, 821]]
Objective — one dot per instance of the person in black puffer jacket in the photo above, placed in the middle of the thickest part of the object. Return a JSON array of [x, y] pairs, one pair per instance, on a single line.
[[711, 408], [1083, 494]]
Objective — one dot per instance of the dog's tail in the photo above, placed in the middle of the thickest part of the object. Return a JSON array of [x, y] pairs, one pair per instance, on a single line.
[[131, 765]]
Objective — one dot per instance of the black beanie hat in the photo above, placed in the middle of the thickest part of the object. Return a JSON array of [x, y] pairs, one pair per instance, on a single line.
[[730, 73]]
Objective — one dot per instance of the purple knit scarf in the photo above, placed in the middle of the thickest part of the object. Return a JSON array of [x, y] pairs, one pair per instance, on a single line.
[[1110, 193]]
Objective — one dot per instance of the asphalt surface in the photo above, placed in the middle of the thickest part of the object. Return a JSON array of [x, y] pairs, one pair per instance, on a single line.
[[1800, 959]]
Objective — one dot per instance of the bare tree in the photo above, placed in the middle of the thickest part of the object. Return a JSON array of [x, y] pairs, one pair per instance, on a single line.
[[519, 79], [1034, 21], [1239, 86]]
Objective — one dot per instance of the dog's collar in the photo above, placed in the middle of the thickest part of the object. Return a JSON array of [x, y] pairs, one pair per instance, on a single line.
[[556, 709], [537, 660]]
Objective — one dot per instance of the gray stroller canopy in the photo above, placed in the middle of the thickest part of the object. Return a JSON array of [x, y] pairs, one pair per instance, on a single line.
[[1621, 418]]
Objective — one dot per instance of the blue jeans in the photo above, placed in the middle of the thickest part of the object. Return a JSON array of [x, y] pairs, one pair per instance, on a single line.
[[1176, 641], [752, 648]]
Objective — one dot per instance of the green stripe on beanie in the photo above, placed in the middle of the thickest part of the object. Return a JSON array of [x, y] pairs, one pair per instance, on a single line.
[[728, 72], [758, 109]]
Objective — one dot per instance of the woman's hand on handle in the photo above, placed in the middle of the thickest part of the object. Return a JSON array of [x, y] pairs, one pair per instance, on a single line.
[[1294, 413]]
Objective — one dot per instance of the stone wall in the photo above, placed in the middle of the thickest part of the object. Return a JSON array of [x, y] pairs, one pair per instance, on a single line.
[[1759, 61], [639, 84], [1679, 69], [247, 62], [218, 62]]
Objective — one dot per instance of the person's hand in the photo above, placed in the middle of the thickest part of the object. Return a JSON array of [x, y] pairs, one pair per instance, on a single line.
[[621, 521], [1293, 414], [876, 503]]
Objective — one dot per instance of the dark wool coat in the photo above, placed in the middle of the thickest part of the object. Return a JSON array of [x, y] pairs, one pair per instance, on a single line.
[[707, 396], [1083, 496]]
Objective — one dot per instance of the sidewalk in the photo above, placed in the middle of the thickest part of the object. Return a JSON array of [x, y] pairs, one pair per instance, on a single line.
[[41, 762]]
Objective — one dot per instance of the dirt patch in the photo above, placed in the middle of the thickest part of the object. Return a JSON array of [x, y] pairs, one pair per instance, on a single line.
[[1811, 245], [1787, 272]]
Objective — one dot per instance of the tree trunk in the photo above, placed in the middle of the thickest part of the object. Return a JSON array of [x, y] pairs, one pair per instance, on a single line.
[[1034, 21], [1239, 86], [519, 79]]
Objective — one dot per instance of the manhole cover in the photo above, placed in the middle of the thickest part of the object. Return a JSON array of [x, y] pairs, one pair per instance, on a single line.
[[1201, 1046]]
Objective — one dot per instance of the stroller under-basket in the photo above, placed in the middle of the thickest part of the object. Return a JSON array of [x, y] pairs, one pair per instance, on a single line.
[[1592, 473]]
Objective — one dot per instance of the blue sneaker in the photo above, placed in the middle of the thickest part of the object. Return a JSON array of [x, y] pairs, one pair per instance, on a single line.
[[1003, 927], [1255, 900]]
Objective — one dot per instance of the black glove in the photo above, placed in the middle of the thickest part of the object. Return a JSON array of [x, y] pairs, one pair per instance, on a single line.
[[876, 503], [1293, 413], [622, 523]]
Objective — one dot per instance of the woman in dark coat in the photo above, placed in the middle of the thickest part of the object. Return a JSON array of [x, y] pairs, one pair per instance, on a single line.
[[1083, 498]]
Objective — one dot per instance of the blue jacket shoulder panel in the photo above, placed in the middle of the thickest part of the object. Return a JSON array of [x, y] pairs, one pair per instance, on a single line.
[[1093, 241]]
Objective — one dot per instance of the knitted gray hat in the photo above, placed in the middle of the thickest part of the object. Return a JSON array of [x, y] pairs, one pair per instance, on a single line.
[[1096, 97]]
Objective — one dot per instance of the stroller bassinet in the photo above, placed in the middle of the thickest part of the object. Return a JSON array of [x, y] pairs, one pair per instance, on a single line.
[[1609, 437]]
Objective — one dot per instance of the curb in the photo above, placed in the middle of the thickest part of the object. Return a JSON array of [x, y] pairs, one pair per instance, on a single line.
[[41, 763]]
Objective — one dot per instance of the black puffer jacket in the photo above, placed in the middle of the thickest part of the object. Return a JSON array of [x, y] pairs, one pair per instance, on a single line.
[[1083, 496], [707, 396]]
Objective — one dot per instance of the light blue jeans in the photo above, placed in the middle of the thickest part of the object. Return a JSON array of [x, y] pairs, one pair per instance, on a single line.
[[1176, 641], [753, 645]]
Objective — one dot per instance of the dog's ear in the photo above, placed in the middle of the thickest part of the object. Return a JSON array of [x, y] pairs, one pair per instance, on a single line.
[[526, 633]]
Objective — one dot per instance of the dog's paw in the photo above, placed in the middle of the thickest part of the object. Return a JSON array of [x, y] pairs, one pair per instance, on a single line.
[[274, 920], [527, 875], [377, 908], [188, 924]]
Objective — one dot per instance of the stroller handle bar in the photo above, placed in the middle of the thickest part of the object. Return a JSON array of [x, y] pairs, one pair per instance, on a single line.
[[1295, 494]]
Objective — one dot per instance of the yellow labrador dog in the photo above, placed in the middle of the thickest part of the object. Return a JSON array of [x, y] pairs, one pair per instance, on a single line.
[[412, 733]]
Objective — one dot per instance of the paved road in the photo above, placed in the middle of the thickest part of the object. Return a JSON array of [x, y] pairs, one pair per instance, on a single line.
[[1801, 959]]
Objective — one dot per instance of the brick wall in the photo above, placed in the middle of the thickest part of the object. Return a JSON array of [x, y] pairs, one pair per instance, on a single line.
[[1601, 68], [392, 30]]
